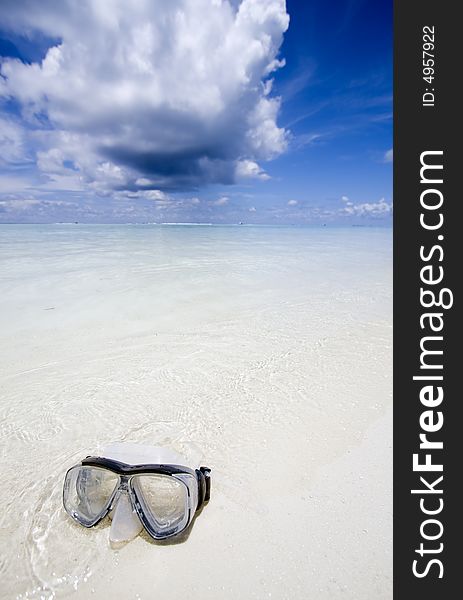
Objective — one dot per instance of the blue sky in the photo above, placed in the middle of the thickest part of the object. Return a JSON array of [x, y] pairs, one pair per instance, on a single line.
[[196, 111]]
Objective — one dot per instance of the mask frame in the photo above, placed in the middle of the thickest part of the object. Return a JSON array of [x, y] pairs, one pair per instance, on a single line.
[[197, 483]]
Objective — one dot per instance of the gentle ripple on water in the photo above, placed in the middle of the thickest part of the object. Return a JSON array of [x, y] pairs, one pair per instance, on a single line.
[[211, 337]]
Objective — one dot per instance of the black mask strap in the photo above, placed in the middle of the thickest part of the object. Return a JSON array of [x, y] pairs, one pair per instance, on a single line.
[[204, 485]]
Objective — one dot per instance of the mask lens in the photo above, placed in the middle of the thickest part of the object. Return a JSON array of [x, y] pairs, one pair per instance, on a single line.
[[164, 501], [87, 493]]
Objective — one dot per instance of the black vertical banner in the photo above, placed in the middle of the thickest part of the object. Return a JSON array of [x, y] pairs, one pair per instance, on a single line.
[[427, 266]]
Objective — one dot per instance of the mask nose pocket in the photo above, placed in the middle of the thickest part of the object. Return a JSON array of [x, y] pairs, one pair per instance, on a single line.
[[125, 524]]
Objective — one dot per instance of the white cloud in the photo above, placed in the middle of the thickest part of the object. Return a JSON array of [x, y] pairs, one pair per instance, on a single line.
[[223, 201], [248, 169], [164, 96], [19, 204], [292, 202], [155, 195], [389, 156], [370, 209], [144, 182], [51, 161], [11, 142], [13, 184]]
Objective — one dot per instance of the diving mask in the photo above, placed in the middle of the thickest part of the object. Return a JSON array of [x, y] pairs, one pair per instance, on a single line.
[[162, 497]]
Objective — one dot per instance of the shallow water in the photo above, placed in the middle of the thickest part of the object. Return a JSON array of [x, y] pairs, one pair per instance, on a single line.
[[268, 348]]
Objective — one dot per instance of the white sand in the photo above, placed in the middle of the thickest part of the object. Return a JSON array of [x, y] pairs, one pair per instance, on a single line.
[[268, 348]]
